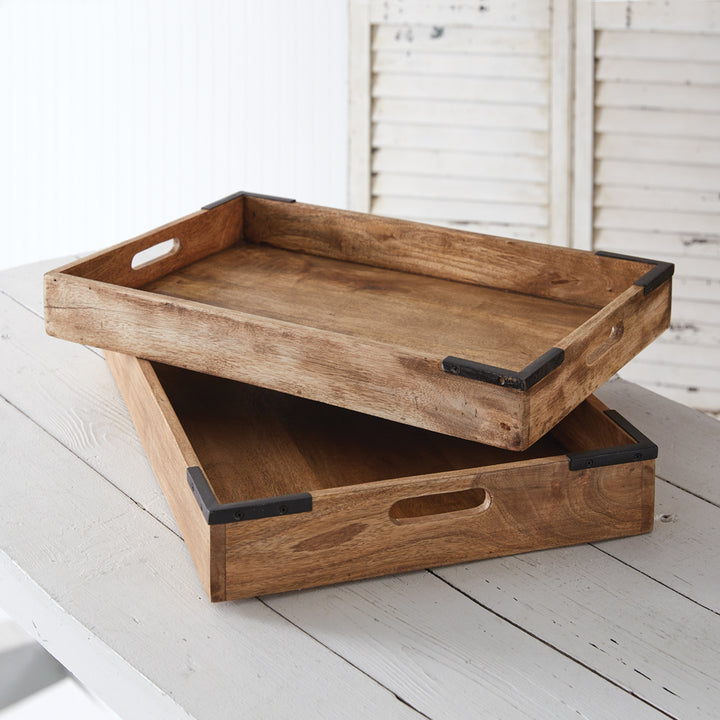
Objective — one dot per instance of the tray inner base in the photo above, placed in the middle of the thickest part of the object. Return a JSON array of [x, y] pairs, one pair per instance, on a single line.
[[256, 443], [432, 316]]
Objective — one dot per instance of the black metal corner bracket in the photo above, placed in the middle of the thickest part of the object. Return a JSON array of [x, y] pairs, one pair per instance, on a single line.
[[522, 380], [216, 513], [243, 193], [652, 278], [642, 449]]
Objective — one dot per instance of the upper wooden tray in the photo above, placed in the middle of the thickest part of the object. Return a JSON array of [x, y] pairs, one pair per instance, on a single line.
[[480, 337]]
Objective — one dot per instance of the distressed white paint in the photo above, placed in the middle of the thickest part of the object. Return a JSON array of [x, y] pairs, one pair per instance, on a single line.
[[121, 116], [657, 174]]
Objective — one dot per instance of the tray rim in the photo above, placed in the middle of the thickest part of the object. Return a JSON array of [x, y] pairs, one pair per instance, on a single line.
[[516, 386]]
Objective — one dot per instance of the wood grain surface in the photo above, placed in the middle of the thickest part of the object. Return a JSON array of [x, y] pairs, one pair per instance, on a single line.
[[359, 311], [386, 497]]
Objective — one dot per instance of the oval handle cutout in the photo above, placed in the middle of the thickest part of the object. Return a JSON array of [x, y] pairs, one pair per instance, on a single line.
[[154, 253], [428, 506], [616, 333]]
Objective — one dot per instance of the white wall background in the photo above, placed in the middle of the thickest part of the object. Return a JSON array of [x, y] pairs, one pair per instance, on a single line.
[[117, 116]]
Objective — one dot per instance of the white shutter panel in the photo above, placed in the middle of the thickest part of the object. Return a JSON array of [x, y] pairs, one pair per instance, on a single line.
[[460, 105], [657, 175]]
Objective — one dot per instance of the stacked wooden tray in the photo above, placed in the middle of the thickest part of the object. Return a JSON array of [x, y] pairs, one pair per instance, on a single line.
[[330, 395]]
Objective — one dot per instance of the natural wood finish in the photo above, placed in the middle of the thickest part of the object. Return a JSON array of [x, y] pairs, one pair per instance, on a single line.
[[386, 497], [304, 361], [170, 454], [596, 350], [428, 315], [199, 235], [550, 272], [359, 311], [349, 534], [279, 444]]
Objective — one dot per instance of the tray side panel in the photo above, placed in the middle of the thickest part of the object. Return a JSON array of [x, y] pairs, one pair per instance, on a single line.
[[170, 454], [596, 351], [587, 427], [570, 275], [366, 376], [197, 236], [350, 535]]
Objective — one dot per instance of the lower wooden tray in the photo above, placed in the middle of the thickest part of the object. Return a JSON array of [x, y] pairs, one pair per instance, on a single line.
[[273, 492]]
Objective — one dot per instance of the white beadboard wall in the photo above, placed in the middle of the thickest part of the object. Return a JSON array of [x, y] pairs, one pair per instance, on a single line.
[[120, 115]]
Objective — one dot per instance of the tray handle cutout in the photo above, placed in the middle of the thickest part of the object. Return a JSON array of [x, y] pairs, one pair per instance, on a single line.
[[440, 505], [155, 253], [616, 333]]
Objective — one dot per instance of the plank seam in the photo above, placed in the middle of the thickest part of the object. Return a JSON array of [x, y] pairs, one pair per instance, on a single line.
[[337, 654], [556, 649], [89, 466], [659, 582], [689, 492]]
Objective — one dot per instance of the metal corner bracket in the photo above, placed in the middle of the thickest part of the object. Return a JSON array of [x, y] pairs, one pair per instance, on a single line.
[[652, 278], [244, 193], [216, 513], [522, 380], [642, 449]]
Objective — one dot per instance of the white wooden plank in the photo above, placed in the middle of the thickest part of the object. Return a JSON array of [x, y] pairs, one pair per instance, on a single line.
[[697, 289], [686, 438], [427, 162], [631, 629], [707, 313], [467, 661], [624, 196], [473, 211], [69, 392], [702, 378], [405, 185], [658, 71], [691, 333], [488, 14], [657, 175], [526, 67], [24, 283], [661, 123], [706, 400], [644, 242], [626, 218], [460, 114], [450, 87], [458, 38], [669, 15], [669, 353], [508, 230], [359, 106], [697, 151], [658, 96], [492, 141], [689, 266], [112, 593], [658, 45], [679, 551]]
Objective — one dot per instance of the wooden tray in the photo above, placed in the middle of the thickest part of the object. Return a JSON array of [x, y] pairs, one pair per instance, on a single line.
[[273, 492], [479, 337]]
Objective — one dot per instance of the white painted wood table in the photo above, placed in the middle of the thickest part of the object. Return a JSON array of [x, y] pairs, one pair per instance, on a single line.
[[93, 566]]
